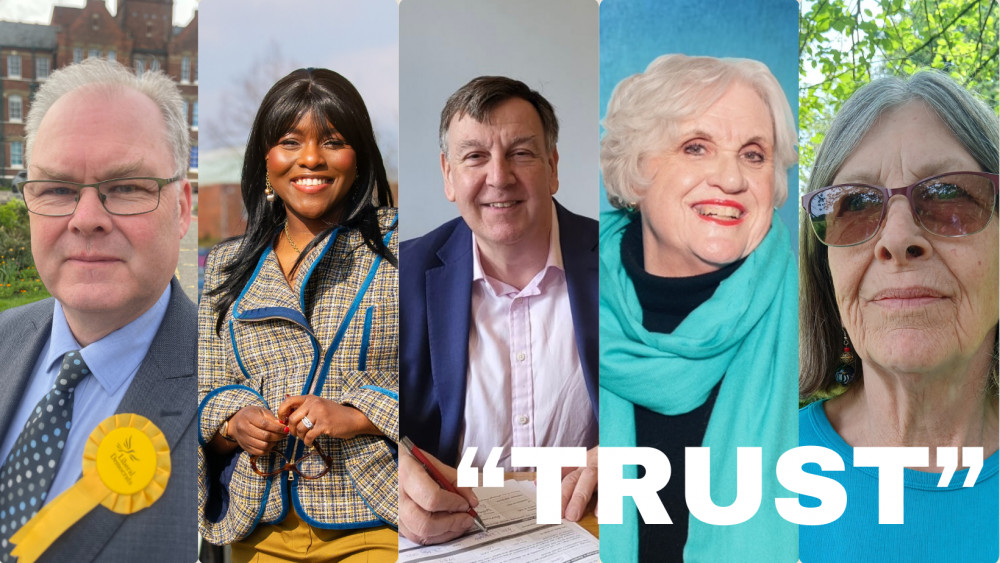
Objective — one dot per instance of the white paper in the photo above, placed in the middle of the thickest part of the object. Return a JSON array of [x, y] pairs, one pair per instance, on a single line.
[[512, 536]]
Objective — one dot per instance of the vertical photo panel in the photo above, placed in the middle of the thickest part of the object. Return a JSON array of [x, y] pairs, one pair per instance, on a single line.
[[298, 320], [699, 292], [899, 270], [498, 275], [98, 280]]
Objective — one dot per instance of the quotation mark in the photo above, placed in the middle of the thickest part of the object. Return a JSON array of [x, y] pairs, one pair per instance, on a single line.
[[468, 475], [948, 458]]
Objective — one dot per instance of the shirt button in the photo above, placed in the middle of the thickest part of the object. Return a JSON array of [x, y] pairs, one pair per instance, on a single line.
[[520, 356], [522, 420]]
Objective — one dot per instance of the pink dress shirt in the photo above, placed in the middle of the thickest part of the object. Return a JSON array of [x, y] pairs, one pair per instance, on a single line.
[[525, 383]]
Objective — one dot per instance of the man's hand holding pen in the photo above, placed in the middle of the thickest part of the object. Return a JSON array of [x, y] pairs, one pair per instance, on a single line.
[[428, 513]]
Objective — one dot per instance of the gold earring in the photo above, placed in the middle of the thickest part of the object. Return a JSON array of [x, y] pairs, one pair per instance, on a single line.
[[268, 190]]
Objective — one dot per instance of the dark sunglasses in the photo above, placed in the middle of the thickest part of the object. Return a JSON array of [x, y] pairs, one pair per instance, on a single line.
[[313, 465], [955, 204]]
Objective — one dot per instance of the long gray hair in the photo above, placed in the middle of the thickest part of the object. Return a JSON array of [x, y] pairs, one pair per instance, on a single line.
[[975, 126]]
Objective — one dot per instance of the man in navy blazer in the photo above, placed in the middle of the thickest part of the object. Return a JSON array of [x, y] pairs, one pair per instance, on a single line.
[[457, 348], [108, 204]]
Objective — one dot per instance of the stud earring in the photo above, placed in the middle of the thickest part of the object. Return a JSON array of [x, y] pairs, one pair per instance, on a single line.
[[268, 190], [845, 371], [622, 203]]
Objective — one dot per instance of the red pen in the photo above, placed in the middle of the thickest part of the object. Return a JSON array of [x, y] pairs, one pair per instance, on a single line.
[[438, 477]]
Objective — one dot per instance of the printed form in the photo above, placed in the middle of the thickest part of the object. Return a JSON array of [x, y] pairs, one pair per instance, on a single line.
[[513, 536]]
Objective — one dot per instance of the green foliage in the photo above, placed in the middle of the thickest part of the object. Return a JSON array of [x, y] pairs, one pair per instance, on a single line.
[[14, 218], [18, 277], [844, 44], [23, 283], [15, 237]]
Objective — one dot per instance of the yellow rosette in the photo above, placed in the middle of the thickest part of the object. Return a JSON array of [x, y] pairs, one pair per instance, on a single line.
[[126, 466]]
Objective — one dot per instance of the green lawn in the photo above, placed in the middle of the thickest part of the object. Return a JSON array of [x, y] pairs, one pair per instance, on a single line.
[[18, 300]]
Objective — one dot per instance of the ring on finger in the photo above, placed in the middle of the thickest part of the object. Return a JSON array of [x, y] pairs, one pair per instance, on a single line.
[[307, 423]]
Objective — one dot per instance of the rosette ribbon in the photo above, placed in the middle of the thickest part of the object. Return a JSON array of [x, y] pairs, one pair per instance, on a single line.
[[126, 466]]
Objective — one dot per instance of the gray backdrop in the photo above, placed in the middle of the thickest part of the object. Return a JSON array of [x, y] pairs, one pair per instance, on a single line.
[[550, 45]]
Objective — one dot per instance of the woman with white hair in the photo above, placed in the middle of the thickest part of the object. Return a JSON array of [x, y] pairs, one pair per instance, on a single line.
[[698, 296]]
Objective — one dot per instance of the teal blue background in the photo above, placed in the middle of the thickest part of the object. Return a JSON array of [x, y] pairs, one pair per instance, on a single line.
[[634, 32]]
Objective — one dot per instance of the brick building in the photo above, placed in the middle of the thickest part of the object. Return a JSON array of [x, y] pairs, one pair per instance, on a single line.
[[220, 202], [141, 35]]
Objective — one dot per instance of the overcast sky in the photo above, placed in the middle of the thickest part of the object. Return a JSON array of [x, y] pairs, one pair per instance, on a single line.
[[261, 40], [40, 11]]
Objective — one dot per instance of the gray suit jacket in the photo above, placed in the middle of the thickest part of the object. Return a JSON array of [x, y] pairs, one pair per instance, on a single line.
[[165, 391]]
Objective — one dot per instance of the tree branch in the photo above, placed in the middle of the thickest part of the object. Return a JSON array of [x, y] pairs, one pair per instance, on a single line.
[[982, 27], [982, 65], [943, 29]]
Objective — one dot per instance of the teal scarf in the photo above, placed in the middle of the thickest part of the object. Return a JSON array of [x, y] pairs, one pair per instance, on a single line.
[[747, 332]]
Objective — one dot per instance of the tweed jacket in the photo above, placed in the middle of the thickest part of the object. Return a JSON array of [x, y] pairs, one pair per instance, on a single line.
[[335, 335]]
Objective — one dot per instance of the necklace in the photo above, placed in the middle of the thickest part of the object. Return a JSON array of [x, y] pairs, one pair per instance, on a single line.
[[288, 237]]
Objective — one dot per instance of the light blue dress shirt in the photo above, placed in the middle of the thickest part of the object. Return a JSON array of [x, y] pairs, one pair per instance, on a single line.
[[113, 362]]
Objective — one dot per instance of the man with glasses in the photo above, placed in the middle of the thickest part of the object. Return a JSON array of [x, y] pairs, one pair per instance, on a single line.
[[108, 203]]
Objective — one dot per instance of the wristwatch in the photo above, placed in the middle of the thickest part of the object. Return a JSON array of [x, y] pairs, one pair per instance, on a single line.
[[224, 431]]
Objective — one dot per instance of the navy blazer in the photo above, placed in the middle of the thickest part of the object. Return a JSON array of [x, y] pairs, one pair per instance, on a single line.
[[164, 390], [435, 301]]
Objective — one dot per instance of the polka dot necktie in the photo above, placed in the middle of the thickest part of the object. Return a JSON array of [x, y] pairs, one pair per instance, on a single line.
[[31, 465]]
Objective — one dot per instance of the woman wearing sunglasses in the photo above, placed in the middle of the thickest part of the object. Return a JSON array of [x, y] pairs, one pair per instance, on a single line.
[[899, 318], [298, 374]]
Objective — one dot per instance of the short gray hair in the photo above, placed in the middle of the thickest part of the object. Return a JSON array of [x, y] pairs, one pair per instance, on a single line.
[[112, 77], [975, 126], [675, 87]]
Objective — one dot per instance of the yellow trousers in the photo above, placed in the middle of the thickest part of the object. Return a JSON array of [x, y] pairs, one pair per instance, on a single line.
[[294, 540]]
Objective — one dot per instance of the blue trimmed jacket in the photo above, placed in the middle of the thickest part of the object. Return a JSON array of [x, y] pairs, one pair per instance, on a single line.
[[334, 336]]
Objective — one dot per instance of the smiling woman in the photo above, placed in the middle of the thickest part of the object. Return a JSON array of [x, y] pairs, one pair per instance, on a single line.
[[711, 194], [695, 157], [311, 170], [298, 373]]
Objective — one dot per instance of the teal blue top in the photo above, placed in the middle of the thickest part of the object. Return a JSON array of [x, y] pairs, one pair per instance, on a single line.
[[747, 331], [950, 523]]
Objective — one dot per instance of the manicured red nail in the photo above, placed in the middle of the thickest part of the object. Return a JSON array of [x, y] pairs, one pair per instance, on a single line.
[[287, 395], [286, 430]]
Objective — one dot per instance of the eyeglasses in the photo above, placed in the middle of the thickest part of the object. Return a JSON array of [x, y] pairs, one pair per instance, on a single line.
[[956, 204], [121, 196], [313, 465]]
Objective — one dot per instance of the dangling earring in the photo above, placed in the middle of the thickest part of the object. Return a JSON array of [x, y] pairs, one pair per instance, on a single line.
[[268, 190], [845, 371]]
